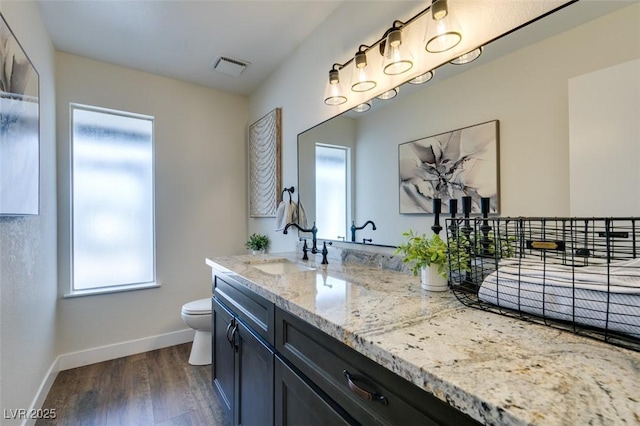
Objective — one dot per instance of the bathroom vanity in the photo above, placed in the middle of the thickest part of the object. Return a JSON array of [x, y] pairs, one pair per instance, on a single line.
[[304, 343]]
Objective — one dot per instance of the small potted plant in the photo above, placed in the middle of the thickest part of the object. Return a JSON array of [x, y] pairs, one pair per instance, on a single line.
[[257, 243], [427, 256]]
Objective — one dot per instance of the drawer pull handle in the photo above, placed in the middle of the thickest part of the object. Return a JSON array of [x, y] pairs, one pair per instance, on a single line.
[[363, 393]]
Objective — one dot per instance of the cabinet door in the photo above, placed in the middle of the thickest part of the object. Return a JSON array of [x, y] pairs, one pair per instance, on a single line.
[[298, 404], [255, 380], [223, 358]]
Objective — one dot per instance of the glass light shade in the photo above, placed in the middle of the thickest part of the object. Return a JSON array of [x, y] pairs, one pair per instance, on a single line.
[[467, 57], [366, 106], [389, 94], [333, 93], [397, 57], [422, 78], [360, 80], [443, 30]]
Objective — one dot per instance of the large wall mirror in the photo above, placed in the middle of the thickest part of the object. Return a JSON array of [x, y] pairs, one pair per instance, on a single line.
[[348, 165]]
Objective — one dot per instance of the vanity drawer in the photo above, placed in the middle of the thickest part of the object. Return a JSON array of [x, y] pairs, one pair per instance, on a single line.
[[349, 378], [254, 310]]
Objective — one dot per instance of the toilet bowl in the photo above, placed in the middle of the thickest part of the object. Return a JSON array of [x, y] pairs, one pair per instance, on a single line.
[[197, 315]]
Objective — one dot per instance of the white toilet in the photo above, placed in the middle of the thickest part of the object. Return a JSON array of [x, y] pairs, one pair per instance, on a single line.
[[197, 315]]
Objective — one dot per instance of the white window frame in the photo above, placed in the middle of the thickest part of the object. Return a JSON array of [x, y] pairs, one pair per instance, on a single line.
[[348, 179], [121, 287]]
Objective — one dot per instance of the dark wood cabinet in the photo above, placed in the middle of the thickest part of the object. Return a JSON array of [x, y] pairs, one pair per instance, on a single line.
[[300, 403], [254, 395], [370, 393], [271, 367], [242, 370], [223, 359]]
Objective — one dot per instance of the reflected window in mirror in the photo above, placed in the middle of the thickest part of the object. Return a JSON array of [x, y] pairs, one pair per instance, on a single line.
[[332, 180]]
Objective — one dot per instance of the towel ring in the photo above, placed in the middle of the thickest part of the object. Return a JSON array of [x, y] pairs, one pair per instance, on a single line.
[[290, 191]]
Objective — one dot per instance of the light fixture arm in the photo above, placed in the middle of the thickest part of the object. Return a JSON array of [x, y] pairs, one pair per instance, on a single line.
[[397, 56], [396, 25], [360, 56], [333, 73]]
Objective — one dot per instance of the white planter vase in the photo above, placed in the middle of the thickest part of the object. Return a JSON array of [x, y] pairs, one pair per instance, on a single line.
[[431, 280]]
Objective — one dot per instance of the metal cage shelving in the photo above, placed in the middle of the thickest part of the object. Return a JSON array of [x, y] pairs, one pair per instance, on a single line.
[[576, 274]]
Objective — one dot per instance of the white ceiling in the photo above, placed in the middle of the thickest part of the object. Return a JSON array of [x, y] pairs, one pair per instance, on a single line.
[[182, 39]]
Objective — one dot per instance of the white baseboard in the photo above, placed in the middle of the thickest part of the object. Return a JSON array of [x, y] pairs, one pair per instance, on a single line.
[[104, 353], [118, 350], [44, 389]]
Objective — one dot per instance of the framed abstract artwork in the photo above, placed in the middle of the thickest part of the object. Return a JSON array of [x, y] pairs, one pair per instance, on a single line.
[[19, 128], [265, 139], [451, 165]]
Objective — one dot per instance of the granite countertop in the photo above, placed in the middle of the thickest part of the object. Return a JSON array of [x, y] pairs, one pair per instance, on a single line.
[[498, 370]]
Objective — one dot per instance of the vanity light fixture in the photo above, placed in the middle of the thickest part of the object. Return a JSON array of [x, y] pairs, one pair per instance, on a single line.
[[467, 57], [360, 78], [397, 57], [363, 107], [443, 31], [389, 94], [333, 93], [422, 78]]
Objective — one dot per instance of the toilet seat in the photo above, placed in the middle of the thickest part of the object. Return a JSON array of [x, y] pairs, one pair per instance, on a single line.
[[197, 307]]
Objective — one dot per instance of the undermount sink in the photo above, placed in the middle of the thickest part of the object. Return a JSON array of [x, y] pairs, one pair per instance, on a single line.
[[278, 266]]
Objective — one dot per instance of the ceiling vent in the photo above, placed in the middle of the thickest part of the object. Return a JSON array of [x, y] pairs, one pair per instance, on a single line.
[[229, 66]]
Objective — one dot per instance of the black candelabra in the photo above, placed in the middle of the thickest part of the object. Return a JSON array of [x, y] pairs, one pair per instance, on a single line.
[[485, 228], [466, 231], [453, 210], [437, 205]]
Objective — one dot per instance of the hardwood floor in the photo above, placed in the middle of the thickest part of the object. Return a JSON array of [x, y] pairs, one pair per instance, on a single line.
[[152, 388]]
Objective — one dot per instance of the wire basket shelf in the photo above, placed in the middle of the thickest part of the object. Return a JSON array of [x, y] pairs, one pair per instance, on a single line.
[[577, 274]]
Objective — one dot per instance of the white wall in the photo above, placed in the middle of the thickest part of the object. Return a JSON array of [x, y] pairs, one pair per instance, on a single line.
[[200, 155], [526, 90], [28, 243], [294, 86], [604, 110]]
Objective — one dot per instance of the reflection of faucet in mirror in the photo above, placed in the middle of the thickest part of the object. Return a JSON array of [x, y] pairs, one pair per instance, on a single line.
[[313, 230], [355, 228]]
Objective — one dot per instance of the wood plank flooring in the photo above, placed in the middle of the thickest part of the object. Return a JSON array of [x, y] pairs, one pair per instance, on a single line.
[[152, 388]]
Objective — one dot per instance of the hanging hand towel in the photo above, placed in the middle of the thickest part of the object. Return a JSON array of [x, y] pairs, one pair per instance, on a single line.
[[281, 215], [284, 214], [301, 215]]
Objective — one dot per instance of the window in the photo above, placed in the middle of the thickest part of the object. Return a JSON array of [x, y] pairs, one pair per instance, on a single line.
[[331, 191], [112, 201]]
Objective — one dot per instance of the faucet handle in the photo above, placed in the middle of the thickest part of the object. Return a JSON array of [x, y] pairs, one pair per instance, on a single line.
[[305, 249], [325, 252]]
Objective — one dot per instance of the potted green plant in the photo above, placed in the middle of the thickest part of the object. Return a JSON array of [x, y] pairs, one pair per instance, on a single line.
[[258, 243], [427, 256]]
